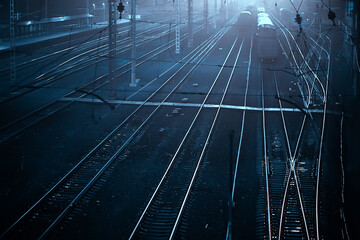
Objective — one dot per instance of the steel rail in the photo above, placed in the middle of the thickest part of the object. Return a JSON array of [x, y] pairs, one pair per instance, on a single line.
[[208, 137], [124, 47], [195, 52], [18, 130], [342, 211], [321, 146], [291, 65], [80, 45], [266, 164], [301, 54], [57, 72], [313, 86], [242, 122], [297, 65], [221, 103], [283, 204], [178, 149], [69, 70], [292, 162], [322, 134]]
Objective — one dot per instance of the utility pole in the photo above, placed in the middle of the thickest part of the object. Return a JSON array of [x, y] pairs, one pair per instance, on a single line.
[[46, 9], [13, 18], [215, 6], [190, 23], [226, 9], [177, 30], [104, 6], [133, 43], [87, 12], [112, 47], [231, 177], [206, 16]]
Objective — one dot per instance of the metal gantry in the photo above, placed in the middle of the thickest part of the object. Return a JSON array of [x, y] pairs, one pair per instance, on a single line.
[[46, 9], [88, 12], [112, 47], [206, 16], [177, 30], [13, 19], [226, 3], [215, 7], [190, 23], [133, 43]]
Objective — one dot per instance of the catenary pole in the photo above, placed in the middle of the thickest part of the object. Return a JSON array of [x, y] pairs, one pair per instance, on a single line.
[[215, 6], [206, 16], [190, 23], [12, 42], [112, 47], [133, 43], [177, 30]]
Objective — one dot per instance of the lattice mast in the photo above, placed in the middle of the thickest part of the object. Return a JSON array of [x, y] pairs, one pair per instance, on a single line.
[[215, 7], [206, 16], [13, 19], [112, 47], [133, 43], [190, 23], [177, 30]]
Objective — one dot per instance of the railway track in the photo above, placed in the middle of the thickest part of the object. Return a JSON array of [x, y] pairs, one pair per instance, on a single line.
[[304, 69], [81, 61], [79, 45], [236, 170], [291, 170], [293, 209], [40, 219], [162, 215], [23, 123]]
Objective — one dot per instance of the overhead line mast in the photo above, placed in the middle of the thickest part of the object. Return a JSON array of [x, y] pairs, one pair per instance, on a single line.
[[13, 18], [133, 44], [177, 33], [112, 47], [215, 7], [190, 23], [206, 16]]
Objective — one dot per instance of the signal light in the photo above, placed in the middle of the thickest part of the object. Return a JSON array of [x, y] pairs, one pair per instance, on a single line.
[[120, 9], [332, 16], [298, 19]]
